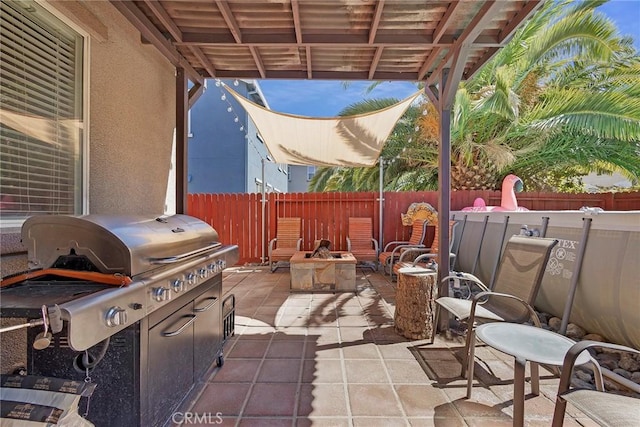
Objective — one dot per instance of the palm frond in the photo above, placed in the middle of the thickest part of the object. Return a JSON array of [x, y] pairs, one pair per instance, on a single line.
[[610, 115]]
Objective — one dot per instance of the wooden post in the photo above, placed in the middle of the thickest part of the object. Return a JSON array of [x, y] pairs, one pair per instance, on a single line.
[[415, 302]]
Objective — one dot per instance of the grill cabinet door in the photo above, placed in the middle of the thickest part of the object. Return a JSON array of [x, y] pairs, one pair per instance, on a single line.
[[208, 327], [170, 363]]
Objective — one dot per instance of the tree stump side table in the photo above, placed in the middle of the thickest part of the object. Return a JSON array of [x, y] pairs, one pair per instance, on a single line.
[[415, 302]]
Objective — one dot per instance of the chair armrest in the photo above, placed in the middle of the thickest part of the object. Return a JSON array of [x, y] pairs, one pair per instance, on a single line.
[[272, 243], [575, 351], [374, 241], [457, 276], [477, 299], [567, 369], [427, 256], [407, 252], [299, 245], [400, 248], [397, 242]]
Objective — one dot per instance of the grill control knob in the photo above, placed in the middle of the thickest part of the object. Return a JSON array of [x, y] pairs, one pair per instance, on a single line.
[[213, 268], [203, 273], [222, 264], [177, 285], [190, 278], [116, 316], [161, 294]]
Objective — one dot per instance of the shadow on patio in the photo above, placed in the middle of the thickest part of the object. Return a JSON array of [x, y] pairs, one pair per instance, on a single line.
[[325, 359]]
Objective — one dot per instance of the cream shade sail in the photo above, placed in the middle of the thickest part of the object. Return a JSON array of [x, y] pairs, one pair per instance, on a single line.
[[334, 141]]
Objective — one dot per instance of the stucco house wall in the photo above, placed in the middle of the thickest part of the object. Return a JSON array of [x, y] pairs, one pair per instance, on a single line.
[[131, 120]]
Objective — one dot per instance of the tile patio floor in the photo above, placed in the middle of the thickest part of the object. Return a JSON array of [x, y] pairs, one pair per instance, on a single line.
[[323, 359]]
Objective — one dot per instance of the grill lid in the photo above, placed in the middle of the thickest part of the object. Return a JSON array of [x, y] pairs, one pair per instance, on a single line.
[[125, 244]]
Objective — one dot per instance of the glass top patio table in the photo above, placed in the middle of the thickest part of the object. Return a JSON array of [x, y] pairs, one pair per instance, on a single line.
[[524, 343], [528, 342]]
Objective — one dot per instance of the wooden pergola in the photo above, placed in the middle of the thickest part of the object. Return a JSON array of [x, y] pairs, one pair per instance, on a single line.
[[437, 42]]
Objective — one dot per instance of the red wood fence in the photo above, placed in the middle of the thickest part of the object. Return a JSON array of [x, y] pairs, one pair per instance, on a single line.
[[238, 218]]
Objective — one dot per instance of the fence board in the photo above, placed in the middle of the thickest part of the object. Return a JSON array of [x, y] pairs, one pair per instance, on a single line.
[[238, 217]]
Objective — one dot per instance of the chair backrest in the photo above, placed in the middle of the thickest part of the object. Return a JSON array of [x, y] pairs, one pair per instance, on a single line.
[[520, 273], [418, 232], [360, 232], [436, 238], [288, 232]]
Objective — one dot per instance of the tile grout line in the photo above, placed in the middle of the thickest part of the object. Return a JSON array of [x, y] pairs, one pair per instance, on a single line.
[[390, 380], [253, 381], [296, 403], [345, 382]]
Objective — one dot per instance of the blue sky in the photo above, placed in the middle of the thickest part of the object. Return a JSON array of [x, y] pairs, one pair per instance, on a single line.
[[322, 98]]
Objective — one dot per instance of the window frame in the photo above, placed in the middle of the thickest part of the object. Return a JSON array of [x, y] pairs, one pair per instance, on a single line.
[[83, 147], [311, 171]]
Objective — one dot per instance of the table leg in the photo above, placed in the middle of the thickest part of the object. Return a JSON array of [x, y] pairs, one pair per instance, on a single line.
[[535, 379], [518, 392], [471, 361]]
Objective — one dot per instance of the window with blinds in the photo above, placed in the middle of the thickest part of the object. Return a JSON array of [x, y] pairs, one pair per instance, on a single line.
[[41, 113]]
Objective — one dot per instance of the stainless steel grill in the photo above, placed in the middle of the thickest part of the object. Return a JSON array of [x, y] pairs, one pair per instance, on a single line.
[[163, 316], [164, 256]]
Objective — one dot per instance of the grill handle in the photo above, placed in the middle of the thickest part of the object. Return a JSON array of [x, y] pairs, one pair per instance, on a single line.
[[207, 307], [181, 328], [184, 256]]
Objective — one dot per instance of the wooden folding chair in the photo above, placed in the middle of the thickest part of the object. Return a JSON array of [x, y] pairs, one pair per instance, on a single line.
[[393, 250], [360, 241], [287, 241]]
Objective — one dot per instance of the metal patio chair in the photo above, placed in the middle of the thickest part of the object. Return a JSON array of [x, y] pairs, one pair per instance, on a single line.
[[517, 283], [606, 409], [426, 256], [392, 250], [360, 241], [287, 241]]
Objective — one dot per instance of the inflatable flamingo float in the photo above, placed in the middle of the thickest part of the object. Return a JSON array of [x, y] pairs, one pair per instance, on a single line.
[[511, 185]]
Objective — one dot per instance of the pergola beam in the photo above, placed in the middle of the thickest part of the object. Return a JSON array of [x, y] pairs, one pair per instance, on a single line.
[[258, 60], [419, 41], [230, 20], [377, 14], [319, 75], [429, 62], [151, 33], [195, 93], [374, 62], [455, 76], [295, 9], [444, 22], [309, 63], [488, 11], [206, 64], [161, 14], [529, 8]]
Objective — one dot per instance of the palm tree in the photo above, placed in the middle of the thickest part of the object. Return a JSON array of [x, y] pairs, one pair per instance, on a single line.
[[560, 97], [560, 100]]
